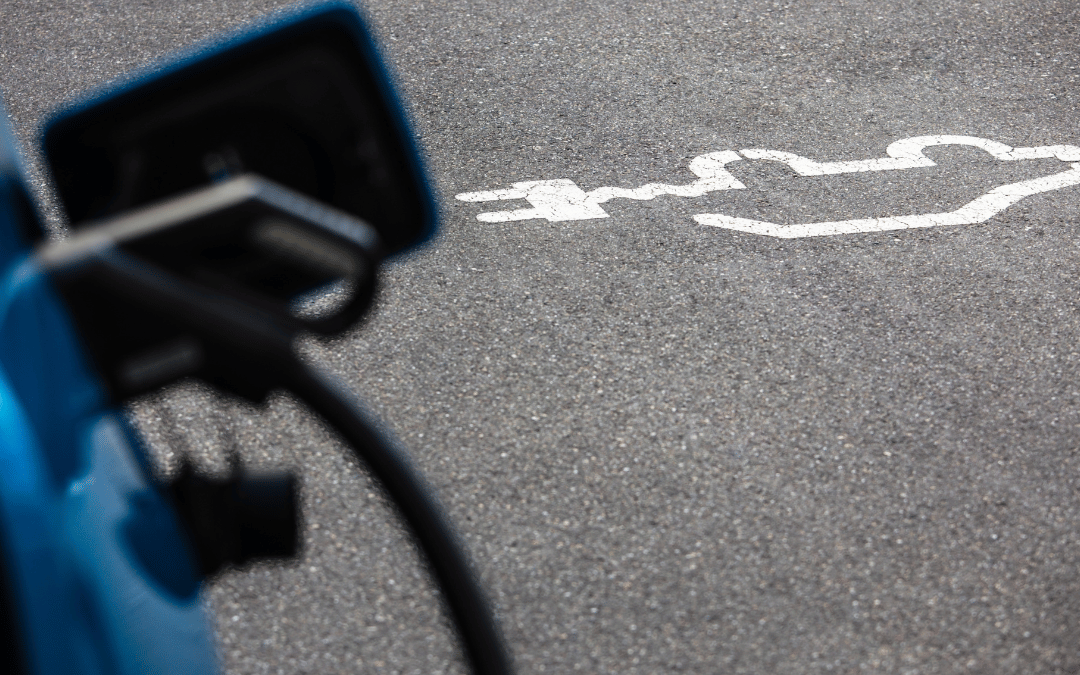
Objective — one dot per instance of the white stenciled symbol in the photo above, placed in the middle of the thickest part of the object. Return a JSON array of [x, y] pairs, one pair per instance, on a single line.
[[561, 200]]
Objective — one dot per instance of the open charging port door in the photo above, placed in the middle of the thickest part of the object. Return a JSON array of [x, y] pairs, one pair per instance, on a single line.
[[306, 104], [273, 168]]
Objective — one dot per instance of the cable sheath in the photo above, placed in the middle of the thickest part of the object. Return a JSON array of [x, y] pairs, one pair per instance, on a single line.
[[417, 504]]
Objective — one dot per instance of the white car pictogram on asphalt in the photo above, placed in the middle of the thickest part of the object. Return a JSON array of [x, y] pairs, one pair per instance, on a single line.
[[562, 200]]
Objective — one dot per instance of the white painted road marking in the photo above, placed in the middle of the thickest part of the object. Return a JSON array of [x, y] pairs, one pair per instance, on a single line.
[[976, 211], [562, 200], [907, 154]]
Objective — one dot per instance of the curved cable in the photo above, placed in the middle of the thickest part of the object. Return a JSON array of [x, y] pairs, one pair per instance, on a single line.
[[417, 504], [247, 344]]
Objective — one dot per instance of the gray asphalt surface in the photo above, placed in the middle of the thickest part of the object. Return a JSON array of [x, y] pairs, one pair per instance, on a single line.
[[672, 447]]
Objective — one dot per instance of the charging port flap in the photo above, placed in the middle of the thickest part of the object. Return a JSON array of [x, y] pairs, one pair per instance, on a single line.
[[305, 102]]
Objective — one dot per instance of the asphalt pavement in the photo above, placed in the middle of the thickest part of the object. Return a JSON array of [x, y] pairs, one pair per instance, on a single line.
[[676, 443]]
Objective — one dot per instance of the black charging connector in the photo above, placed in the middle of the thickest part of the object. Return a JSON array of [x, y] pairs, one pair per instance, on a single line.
[[248, 244]]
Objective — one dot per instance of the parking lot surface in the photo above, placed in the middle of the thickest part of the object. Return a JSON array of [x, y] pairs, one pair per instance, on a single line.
[[675, 443]]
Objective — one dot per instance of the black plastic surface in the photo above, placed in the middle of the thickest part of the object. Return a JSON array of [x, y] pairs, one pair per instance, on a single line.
[[306, 104], [246, 242]]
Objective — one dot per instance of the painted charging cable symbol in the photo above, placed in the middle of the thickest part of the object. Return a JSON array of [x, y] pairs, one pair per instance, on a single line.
[[562, 200]]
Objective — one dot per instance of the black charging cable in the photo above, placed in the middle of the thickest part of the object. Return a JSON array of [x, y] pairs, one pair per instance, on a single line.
[[254, 340], [416, 502]]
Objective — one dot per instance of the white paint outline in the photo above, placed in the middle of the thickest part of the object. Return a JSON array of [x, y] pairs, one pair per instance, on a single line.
[[907, 154], [976, 211], [562, 200]]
